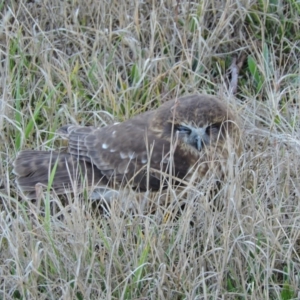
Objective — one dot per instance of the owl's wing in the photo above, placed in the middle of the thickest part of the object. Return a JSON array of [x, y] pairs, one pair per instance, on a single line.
[[123, 151]]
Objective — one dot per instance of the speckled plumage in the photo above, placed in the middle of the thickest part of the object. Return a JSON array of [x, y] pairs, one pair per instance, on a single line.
[[182, 135]]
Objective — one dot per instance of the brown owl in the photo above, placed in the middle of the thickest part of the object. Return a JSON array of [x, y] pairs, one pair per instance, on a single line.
[[181, 137]]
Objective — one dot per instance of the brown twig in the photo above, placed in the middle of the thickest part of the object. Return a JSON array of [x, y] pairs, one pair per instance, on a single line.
[[234, 70]]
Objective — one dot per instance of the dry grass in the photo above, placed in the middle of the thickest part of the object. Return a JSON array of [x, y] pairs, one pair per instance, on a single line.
[[90, 62]]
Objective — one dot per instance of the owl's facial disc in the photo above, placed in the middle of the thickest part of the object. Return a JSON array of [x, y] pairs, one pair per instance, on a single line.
[[197, 137]]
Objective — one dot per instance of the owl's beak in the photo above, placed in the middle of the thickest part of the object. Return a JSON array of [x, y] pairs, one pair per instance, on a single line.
[[200, 139], [198, 142]]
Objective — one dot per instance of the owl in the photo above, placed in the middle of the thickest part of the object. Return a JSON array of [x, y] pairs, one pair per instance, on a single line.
[[183, 137]]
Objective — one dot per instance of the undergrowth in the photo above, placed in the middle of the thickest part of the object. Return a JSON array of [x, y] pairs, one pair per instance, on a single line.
[[97, 62]]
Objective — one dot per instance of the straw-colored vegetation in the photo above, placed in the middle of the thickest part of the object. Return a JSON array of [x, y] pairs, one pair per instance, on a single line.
[[95, 61]]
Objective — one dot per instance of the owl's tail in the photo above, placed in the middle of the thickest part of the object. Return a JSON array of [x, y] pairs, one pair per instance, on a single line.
[[60, 172]]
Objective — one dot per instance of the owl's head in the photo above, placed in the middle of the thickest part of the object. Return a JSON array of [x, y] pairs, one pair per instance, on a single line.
[[200, 122]]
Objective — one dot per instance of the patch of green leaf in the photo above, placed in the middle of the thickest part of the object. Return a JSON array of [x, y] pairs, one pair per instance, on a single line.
[[287, 292], [257, 77], [134, 74]]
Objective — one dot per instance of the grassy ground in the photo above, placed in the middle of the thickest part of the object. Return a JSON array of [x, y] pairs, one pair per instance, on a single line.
[[95, 61]]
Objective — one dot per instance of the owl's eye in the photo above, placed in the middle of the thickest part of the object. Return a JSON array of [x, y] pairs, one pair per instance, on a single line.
[[183, 129], [212, 129]]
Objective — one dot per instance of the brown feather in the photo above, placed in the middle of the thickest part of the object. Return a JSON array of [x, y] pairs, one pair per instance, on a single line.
[[34, 167]]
